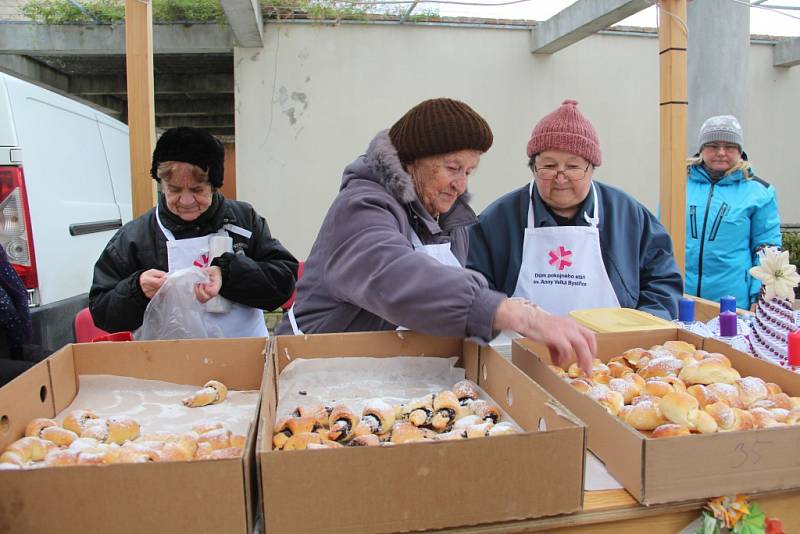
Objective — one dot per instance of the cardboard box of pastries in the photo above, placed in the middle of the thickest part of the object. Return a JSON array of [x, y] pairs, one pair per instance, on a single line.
[[420, 486], [180, 496], [710, 459]]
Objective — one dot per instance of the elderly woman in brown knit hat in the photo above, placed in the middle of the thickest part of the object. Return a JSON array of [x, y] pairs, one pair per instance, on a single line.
[[565, 241], [391, 248]]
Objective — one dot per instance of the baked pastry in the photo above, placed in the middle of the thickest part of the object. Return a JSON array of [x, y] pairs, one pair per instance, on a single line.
[[301, 441], [342, 424], [405, 432], [683, 409], [632, 385], [763, 418], [773, 388], [479, 430], [600, 372], [379, 416], [670, 430], [726, 392], [501, 429], [236, 452], [610, 400], [668, 366], [709, 371], [418, 412], [619, 369], [637, 355], [78, 420], [645, 398], [206, 427], [284, 429], [35, 427], [464, 422], [57, 457], [464, 390], [319, 412], [213, 392], [581, 384], [643, 415], [729, 419], [777, 401], [445, 410], [369, 440], [751, 389], [485, 411], [26, 450], [703, 394]]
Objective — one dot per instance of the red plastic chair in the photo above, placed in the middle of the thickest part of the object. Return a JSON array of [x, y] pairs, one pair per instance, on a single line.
[[87, 332], [288, 304]]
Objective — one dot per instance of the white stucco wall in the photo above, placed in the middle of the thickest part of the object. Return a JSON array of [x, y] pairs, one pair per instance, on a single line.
[[310, 101]]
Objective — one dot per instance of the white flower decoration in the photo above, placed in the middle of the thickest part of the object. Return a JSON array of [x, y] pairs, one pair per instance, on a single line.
[[776, 273]]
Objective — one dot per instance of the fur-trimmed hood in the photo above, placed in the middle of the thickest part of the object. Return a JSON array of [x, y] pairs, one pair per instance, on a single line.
[[382, 165]]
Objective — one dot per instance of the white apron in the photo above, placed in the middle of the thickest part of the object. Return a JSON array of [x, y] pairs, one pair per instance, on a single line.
[[440, 253], [562, 267], [241, 320]]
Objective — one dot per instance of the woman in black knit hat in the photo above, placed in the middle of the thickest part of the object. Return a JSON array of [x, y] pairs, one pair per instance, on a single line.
[[259, 275], [392, 247]]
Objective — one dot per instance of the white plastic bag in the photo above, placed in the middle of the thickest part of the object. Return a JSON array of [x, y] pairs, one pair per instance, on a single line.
[[175, 313]]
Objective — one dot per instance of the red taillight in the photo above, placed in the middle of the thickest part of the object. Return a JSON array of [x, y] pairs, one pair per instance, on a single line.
[[15, 225]]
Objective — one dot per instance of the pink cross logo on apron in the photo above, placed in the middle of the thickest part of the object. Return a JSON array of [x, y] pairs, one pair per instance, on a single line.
[[560, 257], [201, 261]]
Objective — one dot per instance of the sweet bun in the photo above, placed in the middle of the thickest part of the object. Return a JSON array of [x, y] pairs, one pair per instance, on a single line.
[[763, 418], [213, 392], [668, 366], [670, 430], [35, 427], [581, 384], [619, 369], [60, 436], [726, 392], [465, 391], [78, 420], [676, 407], [612, 401], [629, 387], [709, 371], [751, 389], [704, 395], [642, 416], [122, 429]]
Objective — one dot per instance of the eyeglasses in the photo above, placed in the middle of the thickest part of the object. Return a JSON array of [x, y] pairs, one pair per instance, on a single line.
[[716, 147], [572, 172]]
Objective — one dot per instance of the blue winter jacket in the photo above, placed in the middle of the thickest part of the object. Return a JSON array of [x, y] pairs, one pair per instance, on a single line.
[[637, 251], [726, 223]]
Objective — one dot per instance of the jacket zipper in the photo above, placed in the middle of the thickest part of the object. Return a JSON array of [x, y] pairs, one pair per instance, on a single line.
[[693, 219], [723, 211], [703, 240]]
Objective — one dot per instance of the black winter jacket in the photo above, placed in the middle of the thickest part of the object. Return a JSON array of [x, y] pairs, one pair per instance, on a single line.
[[261, 273]]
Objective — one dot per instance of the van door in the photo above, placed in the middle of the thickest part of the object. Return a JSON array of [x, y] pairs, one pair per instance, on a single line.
[[114, 136], [70, 195]]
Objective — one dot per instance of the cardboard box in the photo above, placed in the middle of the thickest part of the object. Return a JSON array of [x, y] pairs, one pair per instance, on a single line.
[[200, 496], [421, 485], [687, 467]]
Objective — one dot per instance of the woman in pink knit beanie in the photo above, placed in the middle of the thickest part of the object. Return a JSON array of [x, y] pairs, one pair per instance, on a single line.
[[566, 241]]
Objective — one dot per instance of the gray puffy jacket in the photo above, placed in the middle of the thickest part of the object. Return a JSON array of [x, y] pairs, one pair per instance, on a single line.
[[363, 274]]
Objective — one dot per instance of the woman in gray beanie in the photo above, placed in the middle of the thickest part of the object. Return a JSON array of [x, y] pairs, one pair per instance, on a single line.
[[730, 215], [392, 246]]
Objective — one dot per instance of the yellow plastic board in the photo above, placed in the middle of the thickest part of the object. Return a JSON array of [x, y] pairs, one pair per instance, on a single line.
[[619, 320]]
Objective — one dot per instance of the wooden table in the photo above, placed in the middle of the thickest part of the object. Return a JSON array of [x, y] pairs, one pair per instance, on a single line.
[[615, 511]]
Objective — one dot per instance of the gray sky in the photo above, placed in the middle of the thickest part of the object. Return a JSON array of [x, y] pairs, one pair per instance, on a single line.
[[762, 21]]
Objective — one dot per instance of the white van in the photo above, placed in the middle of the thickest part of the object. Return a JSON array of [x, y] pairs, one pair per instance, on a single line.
[[64, 191]]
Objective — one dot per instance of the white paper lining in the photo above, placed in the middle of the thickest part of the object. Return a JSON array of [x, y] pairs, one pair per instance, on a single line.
[[356, 381], [157, 406]]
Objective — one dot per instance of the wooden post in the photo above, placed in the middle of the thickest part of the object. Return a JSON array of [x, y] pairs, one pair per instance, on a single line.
[[141, 102], [672, 37]]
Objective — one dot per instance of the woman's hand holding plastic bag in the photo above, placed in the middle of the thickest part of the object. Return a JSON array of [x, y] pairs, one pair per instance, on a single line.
[[174, 311]]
